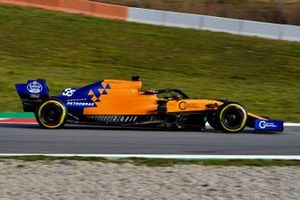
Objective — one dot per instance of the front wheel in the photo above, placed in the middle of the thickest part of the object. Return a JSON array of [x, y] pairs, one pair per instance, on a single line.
[[231, 117], [51, 114]]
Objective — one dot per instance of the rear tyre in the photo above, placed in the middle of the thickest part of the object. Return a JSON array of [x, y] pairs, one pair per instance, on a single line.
[[51, 114], [231, 118]]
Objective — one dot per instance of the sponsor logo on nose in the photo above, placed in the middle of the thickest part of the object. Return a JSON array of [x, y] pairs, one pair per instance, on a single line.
[[264, 124], [269, 125]]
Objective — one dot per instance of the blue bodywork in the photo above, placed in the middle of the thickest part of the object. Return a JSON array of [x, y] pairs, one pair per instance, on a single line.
[[32, 93], [33, 87], [35, 91], [77, 99], [268, 125]]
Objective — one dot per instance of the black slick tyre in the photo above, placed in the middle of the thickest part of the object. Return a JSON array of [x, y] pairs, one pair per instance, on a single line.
[[51, 114], [231, 118]]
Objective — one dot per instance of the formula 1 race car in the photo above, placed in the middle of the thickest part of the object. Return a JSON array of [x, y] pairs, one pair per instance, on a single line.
[[123, 103]]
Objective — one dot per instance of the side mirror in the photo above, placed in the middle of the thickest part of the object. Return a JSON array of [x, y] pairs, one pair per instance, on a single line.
[[135, 78], [176, 97]]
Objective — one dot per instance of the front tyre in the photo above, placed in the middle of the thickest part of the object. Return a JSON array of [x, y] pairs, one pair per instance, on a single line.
[[51, 114], [232, 118]]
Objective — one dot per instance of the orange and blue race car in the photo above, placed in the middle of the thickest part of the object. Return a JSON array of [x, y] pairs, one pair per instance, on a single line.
[[124, 103]]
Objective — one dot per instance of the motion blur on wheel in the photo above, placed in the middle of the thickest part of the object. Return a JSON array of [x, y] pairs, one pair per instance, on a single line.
[[124, 103], [230, 117], [51, 114]]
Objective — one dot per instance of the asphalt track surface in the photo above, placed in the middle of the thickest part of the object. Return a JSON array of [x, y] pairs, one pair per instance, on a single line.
[[78, 139]]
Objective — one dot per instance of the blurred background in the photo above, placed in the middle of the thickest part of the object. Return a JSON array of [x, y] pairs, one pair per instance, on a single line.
[[276, 11]]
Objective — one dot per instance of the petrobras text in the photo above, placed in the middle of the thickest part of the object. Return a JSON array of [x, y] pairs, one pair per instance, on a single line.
[[80, 104]]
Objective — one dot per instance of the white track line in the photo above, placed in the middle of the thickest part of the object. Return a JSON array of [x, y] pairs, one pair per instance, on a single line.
[[288, 124], [165, 156]]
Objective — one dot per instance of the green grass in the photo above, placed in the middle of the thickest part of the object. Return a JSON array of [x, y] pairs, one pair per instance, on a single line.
[[161, 162], [73, 50]]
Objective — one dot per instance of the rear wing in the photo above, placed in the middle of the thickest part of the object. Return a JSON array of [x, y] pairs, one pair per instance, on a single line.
[[32, 93]]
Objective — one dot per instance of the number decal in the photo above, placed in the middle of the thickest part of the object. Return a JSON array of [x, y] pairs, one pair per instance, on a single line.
[[68, 92]]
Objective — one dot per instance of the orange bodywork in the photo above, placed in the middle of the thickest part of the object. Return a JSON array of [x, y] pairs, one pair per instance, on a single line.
[[256, 116], [192, 105], [127, 98]]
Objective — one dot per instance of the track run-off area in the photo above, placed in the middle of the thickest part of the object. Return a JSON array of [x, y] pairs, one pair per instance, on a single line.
[[25, 136]]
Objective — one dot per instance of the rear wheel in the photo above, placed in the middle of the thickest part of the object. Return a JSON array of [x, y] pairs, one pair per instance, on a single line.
[[51, 114], [231, 118]]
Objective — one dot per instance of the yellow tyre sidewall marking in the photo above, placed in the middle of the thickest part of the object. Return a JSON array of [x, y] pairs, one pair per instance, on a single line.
[[62, 116], [243, 122]]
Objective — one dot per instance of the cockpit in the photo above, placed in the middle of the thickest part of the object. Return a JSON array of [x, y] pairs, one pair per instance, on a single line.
[[168, 94]]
